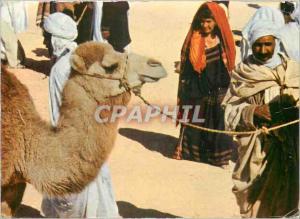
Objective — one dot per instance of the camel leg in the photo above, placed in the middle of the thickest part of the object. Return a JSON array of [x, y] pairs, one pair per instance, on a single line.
[[11, 198]]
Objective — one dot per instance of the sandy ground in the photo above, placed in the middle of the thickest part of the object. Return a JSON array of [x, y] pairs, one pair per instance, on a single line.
[[147, 183]]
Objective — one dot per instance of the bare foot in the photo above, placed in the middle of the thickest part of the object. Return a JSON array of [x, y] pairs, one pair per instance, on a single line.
[[177, 153], [225, 167], [177, 66], [18, 66]]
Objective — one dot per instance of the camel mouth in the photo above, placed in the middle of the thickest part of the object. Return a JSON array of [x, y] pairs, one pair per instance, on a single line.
[[153, 76], [149, 79]]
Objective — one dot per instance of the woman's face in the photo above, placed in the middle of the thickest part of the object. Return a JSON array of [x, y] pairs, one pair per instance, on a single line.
[[207, 25]]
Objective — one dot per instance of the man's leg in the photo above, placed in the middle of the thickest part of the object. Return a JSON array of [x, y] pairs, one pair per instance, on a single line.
[[10, 44]]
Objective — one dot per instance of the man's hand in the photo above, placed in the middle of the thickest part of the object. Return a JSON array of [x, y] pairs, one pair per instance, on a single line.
[[263, 112], [105, 34]]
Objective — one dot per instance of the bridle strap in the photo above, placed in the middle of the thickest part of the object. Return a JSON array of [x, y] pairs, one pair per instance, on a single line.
[[123, 80]]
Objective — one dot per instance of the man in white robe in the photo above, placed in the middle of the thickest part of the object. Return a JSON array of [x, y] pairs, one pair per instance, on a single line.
[[264, 91], [97, 199]]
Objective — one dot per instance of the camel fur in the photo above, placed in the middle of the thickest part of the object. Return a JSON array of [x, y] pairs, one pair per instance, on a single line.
[[64, 160]]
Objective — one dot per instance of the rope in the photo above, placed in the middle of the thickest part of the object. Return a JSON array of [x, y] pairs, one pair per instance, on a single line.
[[81, 16], [123, 80], [124, 83], [264, 129], [21, 117]]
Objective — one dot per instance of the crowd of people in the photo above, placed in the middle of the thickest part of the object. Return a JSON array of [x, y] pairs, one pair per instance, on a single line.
[[260, 92]]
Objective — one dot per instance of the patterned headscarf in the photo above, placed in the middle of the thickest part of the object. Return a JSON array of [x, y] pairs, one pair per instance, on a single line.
[[194, 45]]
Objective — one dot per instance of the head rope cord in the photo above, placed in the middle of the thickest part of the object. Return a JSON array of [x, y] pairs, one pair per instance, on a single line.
[[123, 79], [262, 130], [125, 84]]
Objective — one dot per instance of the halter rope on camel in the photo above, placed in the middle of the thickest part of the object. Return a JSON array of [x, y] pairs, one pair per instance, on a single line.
[[124, 83]]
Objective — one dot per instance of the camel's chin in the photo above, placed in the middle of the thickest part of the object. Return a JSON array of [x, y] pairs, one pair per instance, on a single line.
[[147, 79]]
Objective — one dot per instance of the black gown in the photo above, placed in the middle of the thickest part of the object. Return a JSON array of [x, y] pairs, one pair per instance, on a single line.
[[207, 90]]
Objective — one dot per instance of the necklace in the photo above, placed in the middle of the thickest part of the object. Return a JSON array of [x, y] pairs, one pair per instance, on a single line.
[[211, 42]]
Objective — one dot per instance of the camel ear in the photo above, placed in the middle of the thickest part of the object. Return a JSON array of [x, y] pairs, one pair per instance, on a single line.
[[77, 63]]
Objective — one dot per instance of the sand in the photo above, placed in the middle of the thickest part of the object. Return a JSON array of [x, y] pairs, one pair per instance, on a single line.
[[147, 182]]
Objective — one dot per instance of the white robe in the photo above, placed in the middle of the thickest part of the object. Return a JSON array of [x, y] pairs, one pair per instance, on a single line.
[[14, 13], [290, 37], [11, 50], [97, 17], [248, 79], [97, 199]]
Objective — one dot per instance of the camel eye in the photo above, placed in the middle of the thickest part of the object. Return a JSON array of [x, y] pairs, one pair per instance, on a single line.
[[153, 63], [110, 69]]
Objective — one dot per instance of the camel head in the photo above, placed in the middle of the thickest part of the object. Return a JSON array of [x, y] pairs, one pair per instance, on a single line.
[[110, 73]]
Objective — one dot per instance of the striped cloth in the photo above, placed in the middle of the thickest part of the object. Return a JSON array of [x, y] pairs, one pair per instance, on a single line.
[[208, 91]]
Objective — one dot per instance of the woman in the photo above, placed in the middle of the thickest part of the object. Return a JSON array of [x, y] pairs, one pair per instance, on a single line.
[[207, 58]]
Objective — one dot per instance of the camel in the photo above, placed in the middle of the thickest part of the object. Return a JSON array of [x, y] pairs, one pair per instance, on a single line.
[[64, 160]]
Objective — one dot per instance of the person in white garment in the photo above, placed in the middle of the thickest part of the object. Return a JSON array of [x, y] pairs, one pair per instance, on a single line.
[[264, 92], [13, 16], [290, 32], [264, 13], [97, 199]]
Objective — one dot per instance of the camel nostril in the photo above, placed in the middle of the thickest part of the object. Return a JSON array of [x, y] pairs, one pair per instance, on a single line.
[[154, 63]]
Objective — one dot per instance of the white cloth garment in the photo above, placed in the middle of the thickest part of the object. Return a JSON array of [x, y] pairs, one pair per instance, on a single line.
[[97, 199], [233, 112], [11, 50], [263, 13], [96, 23], [61, 26], [244, 83], [97, 17], [59, 75], [100, 201], [15, 14], [296, 13], [262, 28], [63, 31], [290, 35], [249, 79]]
